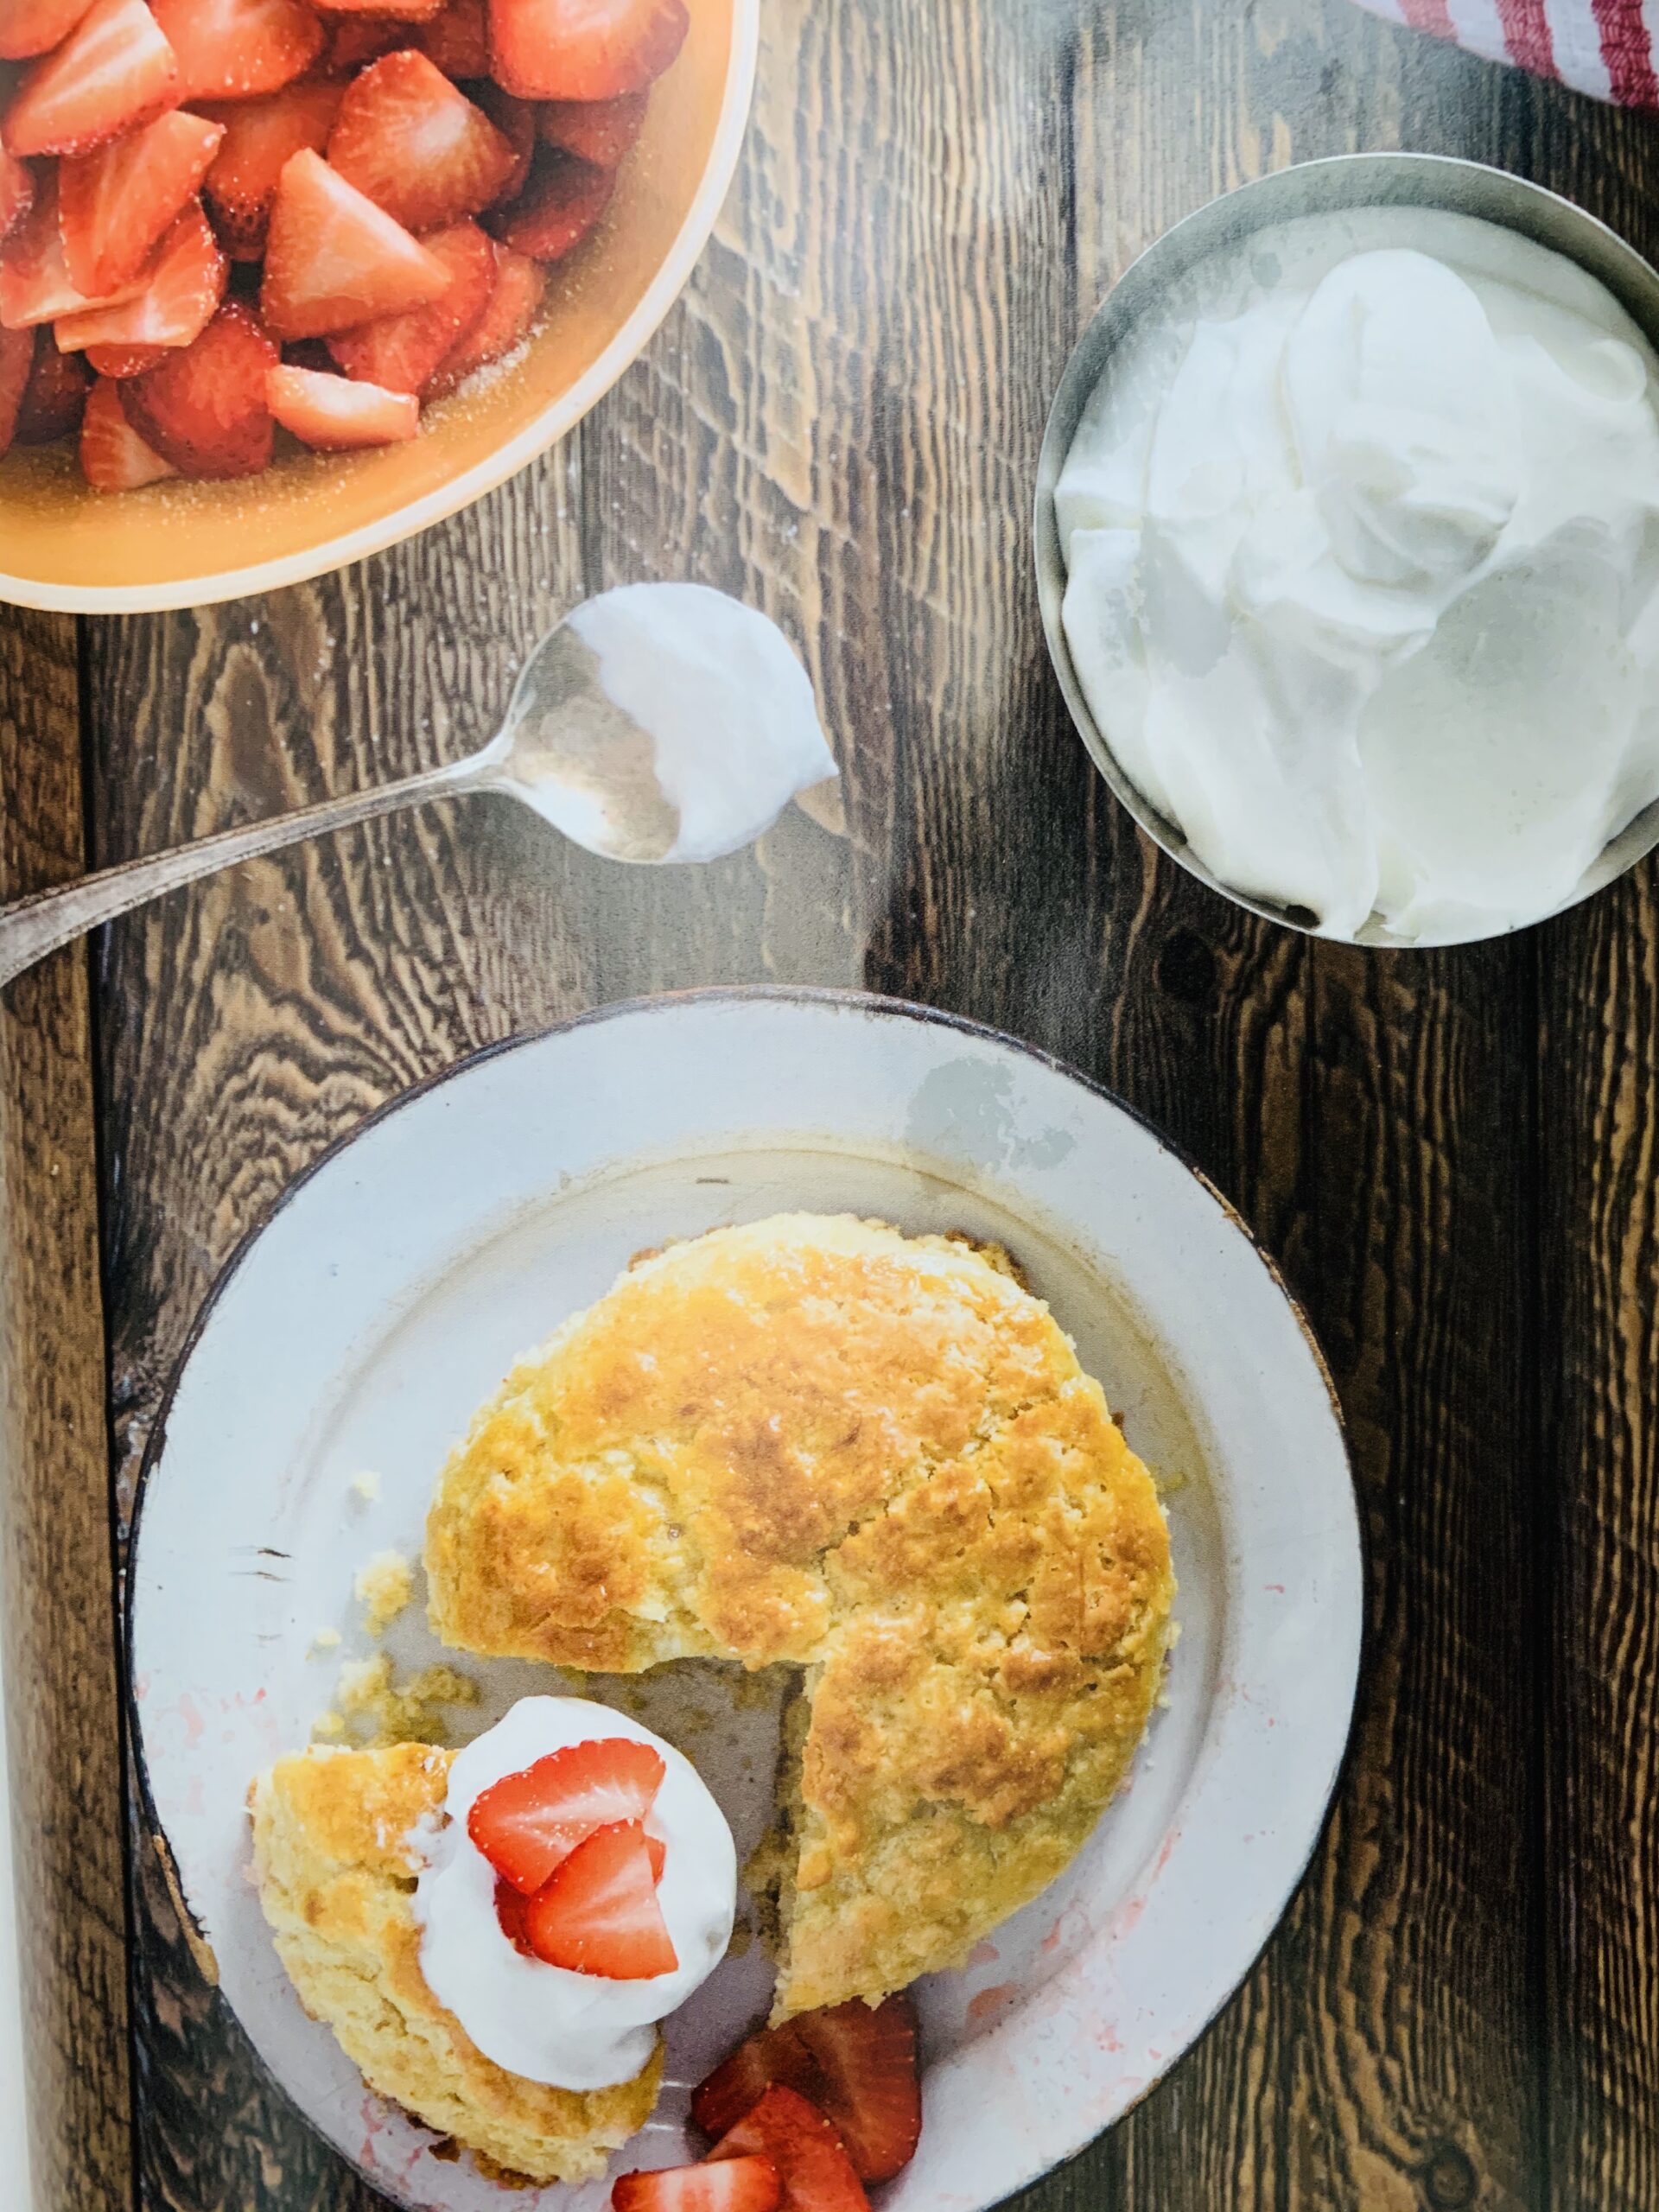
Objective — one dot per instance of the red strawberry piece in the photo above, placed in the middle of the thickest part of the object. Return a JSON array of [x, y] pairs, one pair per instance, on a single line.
[[260, 136], [529, 1822], [873, 2097], [601, 131], [812, 2163], [113, 457], [738, 2084], [28, 27], [561, 203], [16, 192], [402, 11], [174, 308], [16, 359], [520, 287], [204, 408], [54, 398], [598, 1914], [417, 146], [516, 120], [512, 1907], [402, 351], [351, 41], [120, 361], [734, 2186], [457, 40], [233, 49], [114, 204], [335, 415], [583, 49], [34, 281], [333, 259], [114, 71]]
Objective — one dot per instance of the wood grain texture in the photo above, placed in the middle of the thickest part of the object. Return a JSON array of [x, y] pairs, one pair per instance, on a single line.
[[57, 1591], [1449, 1154]]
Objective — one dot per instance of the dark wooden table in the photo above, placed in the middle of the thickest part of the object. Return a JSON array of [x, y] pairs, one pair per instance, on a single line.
[[1454, 1155]]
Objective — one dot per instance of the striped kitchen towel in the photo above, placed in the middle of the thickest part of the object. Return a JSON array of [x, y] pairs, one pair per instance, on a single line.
[[1610, 47]]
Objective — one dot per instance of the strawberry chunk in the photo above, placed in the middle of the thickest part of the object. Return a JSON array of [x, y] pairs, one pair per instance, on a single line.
[[204, 408], [735, 2185], [583, 49], [115, 205], [120, 361], [54, 397], [520, 287], [527, 1824], [113, 457], [601, 131], [35, 281], [28, 27], [16, 359], [516, 121], [16, 192], [812, 2163], [173, 309], [333, 259], [351, 41], [232, 50], [873, 2097], [457, 39], [559, 204], [335, 415], [260, 136], [402, 11], [738, 2084], [403, 351], [598, 1914], [417, 146], [115, 70]]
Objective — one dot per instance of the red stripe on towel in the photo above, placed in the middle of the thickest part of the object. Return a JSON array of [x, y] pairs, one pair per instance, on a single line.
[[1526, 33], [1430, 16], [1629, 56]]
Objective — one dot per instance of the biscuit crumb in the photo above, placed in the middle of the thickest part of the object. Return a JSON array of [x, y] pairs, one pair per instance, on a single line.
[[326, 1639], [377, 1711], [385, 1586], [366, 1485], [328, 1728]]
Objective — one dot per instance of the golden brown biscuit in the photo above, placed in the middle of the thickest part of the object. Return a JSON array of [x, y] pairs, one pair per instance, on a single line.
[[336, 1879], [874, 1457]]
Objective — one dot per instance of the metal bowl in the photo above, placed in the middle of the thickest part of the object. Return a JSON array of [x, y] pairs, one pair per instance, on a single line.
[[1348, 180]]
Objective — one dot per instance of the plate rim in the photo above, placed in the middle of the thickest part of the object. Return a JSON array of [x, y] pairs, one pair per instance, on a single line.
[[862, 1001]]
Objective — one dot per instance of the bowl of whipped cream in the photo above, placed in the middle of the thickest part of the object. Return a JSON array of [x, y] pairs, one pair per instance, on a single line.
[[1347, 533]]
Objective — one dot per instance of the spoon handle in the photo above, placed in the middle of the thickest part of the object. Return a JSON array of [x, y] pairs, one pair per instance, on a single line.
[[32, 927]]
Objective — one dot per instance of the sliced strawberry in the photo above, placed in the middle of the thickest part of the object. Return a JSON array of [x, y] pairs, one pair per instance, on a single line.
[[873, 2097], [402, 351], [738, 2084], [28, 27], [16, 359], [260, 136], [54, 397], [812, 2163], [598, 1914], [583, 49], [335, 415], [516, 121], [120, 361], [735, 2185], [204, 409], [512, 1907], [526, 1824], [351, 41], [232, 50], [114, 204], [113, 72], [601, 131], [520, 288], [559, 204], [173, 309], [403, 11], [417, 146], [35, 281], [333, 259], [16, 192], [457, 40], [113, 457]]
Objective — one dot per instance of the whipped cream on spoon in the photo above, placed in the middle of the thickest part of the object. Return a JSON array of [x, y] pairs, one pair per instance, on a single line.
[[657, 723]]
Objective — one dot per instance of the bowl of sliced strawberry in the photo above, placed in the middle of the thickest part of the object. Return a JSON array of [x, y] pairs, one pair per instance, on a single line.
[[282, 282]]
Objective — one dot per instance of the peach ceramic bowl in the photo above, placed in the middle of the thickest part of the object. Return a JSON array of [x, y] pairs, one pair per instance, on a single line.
[[63, 545]]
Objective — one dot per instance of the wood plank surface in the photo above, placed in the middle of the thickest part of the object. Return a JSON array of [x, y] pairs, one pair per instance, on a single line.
[[1450, 1154]]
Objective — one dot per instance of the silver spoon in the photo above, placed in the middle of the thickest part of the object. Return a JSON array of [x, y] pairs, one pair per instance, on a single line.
[[565, 749]]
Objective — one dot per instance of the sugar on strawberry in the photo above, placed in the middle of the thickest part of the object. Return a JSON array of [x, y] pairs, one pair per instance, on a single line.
[[116, 204], [583, 49], [418, 146], [184, 287], [404, 351], [113, 457], [240, 186], [204, 407], [115, 70], [233, 49]]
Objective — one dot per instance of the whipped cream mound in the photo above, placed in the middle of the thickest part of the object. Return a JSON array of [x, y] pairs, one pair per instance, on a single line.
[[546, 2024], [1361, 540]]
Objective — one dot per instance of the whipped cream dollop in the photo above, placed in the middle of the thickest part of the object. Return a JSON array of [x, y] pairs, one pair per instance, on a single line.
[[570, 2030], [1361, 540]]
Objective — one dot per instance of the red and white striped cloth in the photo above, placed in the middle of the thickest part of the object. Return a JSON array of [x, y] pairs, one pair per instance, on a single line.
[[1610, 47]]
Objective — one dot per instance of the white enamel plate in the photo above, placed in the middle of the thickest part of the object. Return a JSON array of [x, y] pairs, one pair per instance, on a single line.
[[391, 1291]]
